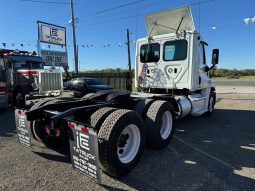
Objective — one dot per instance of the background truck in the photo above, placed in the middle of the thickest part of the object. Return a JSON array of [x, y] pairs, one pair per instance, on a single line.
[[112, 127], [4, 102], [26, 78]]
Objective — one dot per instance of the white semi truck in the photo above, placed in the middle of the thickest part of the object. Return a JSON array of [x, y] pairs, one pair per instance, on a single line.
[[109, 129], [172, 60]]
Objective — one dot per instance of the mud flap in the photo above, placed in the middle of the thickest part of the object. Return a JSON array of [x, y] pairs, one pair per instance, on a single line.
[[84, 150], [22, 127]]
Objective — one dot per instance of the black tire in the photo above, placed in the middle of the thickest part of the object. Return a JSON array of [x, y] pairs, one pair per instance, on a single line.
[[18, 99], [38, 128], [109, 141], [98, 117], [88, 96], [142, 106], [32, 123], [40, 103], [211, 104], [153, 122]]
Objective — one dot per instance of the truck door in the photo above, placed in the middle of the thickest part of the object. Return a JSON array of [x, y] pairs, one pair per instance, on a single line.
[[204, 78], [2, 70], [9, 72]]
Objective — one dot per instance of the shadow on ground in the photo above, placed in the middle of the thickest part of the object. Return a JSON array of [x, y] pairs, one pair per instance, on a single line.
[[215, 153], [7, 123]]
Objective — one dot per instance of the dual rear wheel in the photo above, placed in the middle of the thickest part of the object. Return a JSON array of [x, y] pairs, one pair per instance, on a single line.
[[160, 123], [123, 134], [121, 141], [42, 132]]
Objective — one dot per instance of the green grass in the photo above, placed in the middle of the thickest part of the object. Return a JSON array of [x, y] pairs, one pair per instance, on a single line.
[[242, 78], [134, 88]]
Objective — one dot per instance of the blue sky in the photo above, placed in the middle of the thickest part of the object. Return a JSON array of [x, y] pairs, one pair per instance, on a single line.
[[235, 40]]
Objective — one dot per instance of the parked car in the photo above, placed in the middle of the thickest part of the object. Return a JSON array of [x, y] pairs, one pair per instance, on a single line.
[[82, 86], [68, 85], [4, 102], [65, 83]]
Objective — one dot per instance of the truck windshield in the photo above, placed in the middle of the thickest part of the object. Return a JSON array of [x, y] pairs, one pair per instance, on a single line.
[[150, 52], [36, 65], [28, 65]]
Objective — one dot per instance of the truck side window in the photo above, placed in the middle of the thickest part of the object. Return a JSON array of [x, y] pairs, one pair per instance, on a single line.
[[150, 52], [22, 65], [175, 50], [202, 57]]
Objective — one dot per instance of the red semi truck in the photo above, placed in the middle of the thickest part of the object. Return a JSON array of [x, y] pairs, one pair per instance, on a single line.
[[25, 76]]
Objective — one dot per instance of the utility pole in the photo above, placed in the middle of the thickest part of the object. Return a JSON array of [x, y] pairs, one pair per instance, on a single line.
[[129, 62], [74, 39]]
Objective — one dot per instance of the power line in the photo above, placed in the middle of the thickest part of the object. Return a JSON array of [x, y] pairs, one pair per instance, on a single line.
[[113, 8], [142, 14]]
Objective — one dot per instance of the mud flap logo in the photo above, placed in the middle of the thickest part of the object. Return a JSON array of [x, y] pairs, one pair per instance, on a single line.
[[82, 141], [84, 150], [22, 122], [22, 128]]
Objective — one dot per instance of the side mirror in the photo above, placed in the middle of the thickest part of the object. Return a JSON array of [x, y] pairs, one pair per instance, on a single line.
[[207, 69], [215, 56]]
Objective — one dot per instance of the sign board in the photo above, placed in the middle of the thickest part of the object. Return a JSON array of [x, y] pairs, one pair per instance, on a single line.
[[55, 58], [84, 150], [22, 127], [52, 34]]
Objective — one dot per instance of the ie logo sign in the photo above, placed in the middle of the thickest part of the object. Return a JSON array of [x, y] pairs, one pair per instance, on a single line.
[[82, 141], [53, 32], [84, 149], [22, 122]]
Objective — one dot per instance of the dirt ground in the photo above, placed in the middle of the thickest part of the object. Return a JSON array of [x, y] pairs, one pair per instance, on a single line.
[[215, 153]]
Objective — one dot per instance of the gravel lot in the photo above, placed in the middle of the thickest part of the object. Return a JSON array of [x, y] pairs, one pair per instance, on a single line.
[[216, 153]]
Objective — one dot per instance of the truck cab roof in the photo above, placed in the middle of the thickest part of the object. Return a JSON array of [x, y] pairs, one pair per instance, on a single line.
[[26, 58]]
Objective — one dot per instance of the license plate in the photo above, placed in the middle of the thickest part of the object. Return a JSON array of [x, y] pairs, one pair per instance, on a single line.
[[22, 127], [84, 150]]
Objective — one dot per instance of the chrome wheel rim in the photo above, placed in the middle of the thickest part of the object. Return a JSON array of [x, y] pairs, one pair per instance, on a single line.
[[128, 143], [167, 124], [211, 107]]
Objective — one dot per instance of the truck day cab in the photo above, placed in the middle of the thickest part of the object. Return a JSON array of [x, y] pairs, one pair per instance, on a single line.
[[26, 78], [112, 126]]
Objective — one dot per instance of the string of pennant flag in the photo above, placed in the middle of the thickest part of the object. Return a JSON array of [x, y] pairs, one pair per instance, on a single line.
[[21, 45], [247, 21]]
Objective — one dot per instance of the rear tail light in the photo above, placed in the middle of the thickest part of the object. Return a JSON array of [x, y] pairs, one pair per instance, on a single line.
[[47, 129], [3, 88], [57, 132]]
